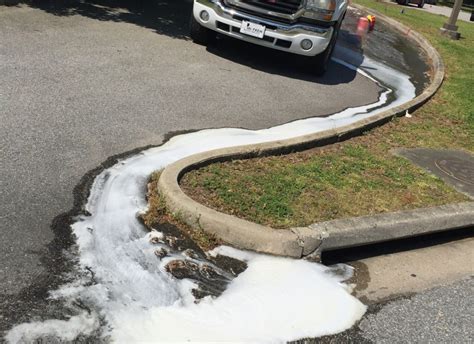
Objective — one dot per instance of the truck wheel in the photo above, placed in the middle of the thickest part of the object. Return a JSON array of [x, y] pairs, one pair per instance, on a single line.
[[320, 62], [421, 4], [199, 34]]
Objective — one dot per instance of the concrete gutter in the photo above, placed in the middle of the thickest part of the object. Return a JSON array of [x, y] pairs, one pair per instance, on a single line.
[[300, 242]]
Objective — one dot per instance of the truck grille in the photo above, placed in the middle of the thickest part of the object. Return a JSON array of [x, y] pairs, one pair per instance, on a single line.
[[281, 6]]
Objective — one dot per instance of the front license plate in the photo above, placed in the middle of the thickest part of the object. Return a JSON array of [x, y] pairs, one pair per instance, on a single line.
[[252, 29]]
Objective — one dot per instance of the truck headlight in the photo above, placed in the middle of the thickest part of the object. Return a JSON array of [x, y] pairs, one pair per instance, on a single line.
[[320, 9]]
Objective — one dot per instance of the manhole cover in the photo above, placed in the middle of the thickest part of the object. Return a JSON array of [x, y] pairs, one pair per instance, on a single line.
[[461, 170], [453, 166]]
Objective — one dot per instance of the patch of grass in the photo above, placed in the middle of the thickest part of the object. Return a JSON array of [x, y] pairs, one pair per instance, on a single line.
[[158, 214], [359, 176], [339, 181]]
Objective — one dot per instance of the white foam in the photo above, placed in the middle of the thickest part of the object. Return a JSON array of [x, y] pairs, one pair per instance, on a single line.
[[274, 300], [66, 330]]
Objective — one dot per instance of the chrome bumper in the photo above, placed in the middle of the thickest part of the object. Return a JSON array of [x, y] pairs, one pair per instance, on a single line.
[[286, 37]]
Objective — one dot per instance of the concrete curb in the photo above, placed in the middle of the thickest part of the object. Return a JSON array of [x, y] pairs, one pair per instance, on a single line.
[[299, 242], [364, 230]]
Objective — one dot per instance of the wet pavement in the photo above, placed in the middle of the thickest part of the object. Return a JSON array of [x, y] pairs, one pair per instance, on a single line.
[[390, 47]]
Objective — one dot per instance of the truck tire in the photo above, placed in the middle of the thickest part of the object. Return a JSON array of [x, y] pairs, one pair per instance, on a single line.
[[198, 33], [421, 4], [320, 62]]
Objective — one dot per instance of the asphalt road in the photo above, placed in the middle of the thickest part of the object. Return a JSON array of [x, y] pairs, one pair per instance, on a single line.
[[440, 315], [76, 88]]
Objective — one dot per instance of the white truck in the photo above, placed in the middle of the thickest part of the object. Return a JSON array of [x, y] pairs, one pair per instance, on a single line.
[[304, 27]]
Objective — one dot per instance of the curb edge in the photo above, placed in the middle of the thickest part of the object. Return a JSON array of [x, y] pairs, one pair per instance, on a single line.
[[312, 240]]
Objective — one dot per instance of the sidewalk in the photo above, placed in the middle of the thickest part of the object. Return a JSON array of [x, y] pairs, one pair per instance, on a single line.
[[442, 10]]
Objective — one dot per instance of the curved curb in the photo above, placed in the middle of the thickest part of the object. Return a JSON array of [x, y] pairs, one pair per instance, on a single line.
[[296, 242]]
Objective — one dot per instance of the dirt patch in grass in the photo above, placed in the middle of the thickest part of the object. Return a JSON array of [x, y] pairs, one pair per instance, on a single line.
[[359, 176], [158, 215]]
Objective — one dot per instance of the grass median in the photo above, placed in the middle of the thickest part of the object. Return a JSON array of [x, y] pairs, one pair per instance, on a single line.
[[360, 176]]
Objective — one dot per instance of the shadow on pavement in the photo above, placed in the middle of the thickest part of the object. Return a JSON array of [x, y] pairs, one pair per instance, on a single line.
[[395, 246], [278, 62], [165, 17], [171, 18]]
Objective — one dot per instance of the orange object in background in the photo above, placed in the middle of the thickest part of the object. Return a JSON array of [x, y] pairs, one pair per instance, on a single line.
[[371, 20], [362, 26]]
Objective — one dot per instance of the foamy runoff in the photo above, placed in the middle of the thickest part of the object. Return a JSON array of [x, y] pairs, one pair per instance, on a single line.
[[133, 299]]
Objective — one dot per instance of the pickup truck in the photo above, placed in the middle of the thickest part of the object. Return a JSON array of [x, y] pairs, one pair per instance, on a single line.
[[305, 27]]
